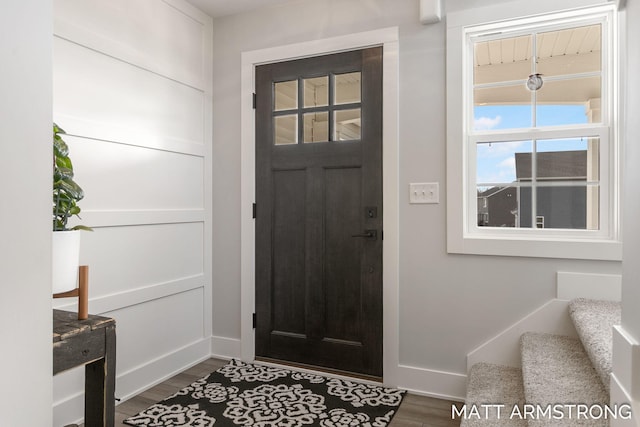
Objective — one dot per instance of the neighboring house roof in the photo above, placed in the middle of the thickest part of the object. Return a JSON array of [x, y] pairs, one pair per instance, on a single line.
[[493, 191], [553, 164]]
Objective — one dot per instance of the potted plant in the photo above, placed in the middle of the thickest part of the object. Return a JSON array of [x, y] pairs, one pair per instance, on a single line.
[[66, 195]]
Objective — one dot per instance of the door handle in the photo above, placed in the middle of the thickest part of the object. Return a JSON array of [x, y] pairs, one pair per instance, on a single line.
[[368, 234]]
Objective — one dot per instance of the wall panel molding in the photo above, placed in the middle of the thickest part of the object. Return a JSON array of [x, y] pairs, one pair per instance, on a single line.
[[117, 32], [86, 129], [123, 218], [136, 296], [123, 102]]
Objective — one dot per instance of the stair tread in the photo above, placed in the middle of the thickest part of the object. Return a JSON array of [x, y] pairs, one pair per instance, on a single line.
[[557, 371], [494, 384], [594, 320]]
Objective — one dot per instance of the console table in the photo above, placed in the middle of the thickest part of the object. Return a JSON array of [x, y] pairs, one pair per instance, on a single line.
[[92, 343]]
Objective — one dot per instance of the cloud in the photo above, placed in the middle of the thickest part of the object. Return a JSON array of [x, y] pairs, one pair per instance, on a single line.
[[486, 123], [509, 163], [502, 171]]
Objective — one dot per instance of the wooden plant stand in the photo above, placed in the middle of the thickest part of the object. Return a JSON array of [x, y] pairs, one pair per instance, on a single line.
[[82, 292]]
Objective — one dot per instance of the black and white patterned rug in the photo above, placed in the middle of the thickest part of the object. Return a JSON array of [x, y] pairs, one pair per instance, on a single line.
[[242, 394]]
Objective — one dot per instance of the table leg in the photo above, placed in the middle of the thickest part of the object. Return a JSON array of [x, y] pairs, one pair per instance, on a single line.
[[100, 381]]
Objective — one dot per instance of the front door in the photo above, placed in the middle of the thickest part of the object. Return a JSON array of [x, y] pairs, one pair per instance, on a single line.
[[319, 212]]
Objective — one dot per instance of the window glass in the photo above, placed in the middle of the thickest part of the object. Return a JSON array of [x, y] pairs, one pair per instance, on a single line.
[[286, 129], [555, 178], [286, 95], [502, 60], [496, 162], [316, 127], [567, 102], [347, 88], [569, 51], [523, 77], [316, 91], [347, 125]]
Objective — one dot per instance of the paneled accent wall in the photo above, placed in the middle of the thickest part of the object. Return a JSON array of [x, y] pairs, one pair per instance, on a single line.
[[132, 88]]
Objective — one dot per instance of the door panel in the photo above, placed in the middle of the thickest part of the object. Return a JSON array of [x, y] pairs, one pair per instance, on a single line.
[[343, 218], [319, 211], [288, 299]]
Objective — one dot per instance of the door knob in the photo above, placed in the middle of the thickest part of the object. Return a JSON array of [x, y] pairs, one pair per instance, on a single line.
[[368, 234]]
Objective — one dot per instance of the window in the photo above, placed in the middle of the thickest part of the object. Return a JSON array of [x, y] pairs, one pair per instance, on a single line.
[[532, 165], [318, 109]]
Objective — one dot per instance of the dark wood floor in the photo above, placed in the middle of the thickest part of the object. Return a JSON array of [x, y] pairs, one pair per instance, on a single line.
[[415, 411]]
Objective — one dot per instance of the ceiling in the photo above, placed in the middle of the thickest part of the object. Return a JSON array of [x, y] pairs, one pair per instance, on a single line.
[[218, 8]]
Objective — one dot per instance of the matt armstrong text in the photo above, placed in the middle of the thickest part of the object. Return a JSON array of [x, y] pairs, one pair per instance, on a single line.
[[559, 411]]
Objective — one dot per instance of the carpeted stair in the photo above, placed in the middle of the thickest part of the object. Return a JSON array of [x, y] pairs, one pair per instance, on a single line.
[[594, 322], [557, 372], [494, 384]]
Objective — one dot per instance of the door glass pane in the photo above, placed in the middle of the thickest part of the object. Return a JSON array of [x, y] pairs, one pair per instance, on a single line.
[[567, 102], [316, 92], [316, 127], [570, 51], [346, 125], [286, 95], [286, 129], [502, 60], [347, 88], [502, 107]]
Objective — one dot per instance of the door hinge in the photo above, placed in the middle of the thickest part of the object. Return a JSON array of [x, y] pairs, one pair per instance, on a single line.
[[254, 321], [254, 208], [381, 234], [254, 100]]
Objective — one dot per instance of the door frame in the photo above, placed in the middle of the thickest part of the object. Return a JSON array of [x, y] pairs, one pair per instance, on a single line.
[[388, 39]]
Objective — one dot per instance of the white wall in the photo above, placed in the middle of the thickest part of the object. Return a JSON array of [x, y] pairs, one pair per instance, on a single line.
[[132, 88], [25, 264], [631, 268], [626, 350], [449, 304]]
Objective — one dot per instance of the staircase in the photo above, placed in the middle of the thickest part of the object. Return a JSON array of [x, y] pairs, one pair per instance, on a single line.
[[563, 381]]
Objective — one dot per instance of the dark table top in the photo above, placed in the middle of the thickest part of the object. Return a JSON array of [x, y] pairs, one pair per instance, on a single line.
[[66, 324]]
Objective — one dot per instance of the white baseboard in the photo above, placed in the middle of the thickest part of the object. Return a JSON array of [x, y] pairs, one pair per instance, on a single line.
[[135, 381], [69, 411], [141, 378], [504, 348], [626, 364], [225, 348], [427, 382], [619, 396]]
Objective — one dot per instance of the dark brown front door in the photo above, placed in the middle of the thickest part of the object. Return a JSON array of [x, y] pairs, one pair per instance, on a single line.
[[319, 211]]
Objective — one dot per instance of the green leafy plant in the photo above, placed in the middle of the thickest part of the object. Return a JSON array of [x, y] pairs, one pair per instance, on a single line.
[[66, 193]]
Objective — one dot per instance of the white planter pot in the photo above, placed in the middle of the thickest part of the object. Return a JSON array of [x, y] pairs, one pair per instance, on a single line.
[[66, 259]]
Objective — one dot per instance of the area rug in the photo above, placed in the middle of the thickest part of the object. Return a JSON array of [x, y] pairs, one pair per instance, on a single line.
[[242, 394]]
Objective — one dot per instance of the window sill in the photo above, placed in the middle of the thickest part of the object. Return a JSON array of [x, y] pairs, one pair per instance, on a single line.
[[602, 250]]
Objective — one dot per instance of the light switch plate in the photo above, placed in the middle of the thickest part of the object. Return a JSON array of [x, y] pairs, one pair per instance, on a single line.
[[424, 192]]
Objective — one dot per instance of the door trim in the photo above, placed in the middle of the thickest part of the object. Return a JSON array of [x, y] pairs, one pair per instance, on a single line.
[[388, 39]]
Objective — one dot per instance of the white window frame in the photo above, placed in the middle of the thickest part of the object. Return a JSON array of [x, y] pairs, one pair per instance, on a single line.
[[463, 233]]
